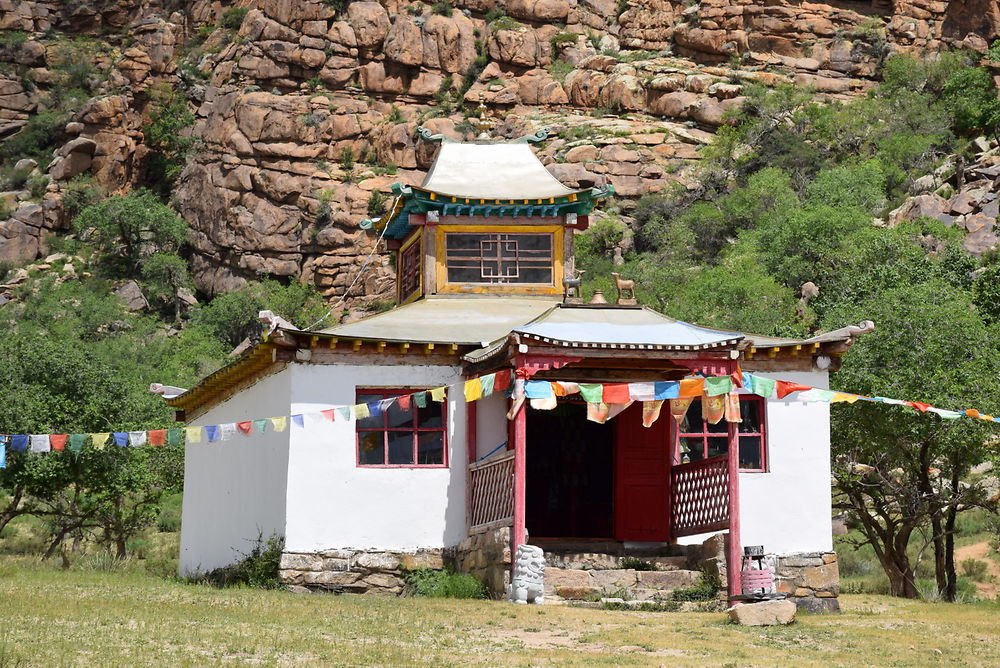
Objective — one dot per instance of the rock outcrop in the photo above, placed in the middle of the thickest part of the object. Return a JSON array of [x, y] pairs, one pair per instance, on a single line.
[[305, 111]]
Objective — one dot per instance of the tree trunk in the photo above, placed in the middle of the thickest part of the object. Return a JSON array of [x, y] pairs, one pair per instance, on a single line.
[[951, 588], [120, 551], [940, 574], [13, 508]]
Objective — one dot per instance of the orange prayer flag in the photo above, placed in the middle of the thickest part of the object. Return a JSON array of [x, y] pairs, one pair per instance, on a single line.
[[58, 441], [785, 388], [616, 393], [713, 408], [692, 387], [157, 437]]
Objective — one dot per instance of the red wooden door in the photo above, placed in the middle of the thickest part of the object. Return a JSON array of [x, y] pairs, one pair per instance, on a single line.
[[642, 477]]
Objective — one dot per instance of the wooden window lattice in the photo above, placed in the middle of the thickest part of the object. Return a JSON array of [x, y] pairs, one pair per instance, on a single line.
[[700, 496], [409, 271], [492, 493]]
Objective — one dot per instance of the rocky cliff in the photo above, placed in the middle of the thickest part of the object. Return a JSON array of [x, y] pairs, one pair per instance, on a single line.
[[305, 110]]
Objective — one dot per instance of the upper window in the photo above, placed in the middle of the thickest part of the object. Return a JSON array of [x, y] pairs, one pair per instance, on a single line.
[[488, 257], [697, 438], [412, 437]]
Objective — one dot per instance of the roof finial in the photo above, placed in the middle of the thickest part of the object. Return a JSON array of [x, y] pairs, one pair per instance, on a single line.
[[483, 123]]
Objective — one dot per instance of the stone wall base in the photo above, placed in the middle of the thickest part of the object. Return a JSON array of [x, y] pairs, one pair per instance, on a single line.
[[810, 579], [356, 571], [486, 556]]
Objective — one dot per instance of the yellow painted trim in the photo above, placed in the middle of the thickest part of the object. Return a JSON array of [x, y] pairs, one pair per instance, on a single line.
[[416, 237], [506, 288]]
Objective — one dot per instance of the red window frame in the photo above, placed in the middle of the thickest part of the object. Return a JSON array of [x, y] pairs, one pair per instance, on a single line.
[[413, 428], [733, 429]]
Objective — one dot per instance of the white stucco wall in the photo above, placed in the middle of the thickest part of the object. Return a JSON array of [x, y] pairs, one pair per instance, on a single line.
[[235, 490], [788, 508], [332, 503]]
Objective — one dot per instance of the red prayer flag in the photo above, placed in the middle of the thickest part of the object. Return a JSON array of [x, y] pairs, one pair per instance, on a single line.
[[58, 441], [502, 381], [404, 402], [157, 437], [785, 388], [245, 427], [328, 414], [919, 406], [616, 393]]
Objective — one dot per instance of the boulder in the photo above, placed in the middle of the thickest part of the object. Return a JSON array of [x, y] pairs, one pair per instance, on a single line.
[[765, 613], [131, 294], [542, 11], [370, 22]]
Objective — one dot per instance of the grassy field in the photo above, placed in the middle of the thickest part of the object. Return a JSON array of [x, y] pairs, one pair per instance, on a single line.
[[129, 617]]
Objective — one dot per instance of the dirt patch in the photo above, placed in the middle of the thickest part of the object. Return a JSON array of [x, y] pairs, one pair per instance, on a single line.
[[981, 552]]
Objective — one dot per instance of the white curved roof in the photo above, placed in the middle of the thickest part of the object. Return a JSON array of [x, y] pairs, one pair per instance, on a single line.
[[492, 171]]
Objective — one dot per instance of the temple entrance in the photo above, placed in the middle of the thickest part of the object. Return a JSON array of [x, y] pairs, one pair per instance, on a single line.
[[597, 481], [570, 474]]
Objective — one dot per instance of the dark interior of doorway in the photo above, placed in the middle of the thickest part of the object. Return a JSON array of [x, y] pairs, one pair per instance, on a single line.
[[570, 474]]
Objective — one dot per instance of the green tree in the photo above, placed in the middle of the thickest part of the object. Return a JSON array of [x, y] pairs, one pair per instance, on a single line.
[[165, 275], [167, 133], [130, 227], [898, 470]]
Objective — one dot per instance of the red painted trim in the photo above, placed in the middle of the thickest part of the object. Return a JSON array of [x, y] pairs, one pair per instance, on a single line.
[[520, 437], [394, 392], [470, 430], [734, 556]]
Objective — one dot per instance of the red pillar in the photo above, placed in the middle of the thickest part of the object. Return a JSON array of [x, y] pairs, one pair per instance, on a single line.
[[471, 430], [520, 433], [734, 557]]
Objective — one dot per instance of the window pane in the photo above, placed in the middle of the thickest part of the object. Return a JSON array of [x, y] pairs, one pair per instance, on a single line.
[[498, 258], [718, 446], [720, 427], [750, 412], [371, 447], [692, 422], [401, 447], [430, 417], [430, 448], [692, 449], [398, 417], [370, 422], [750, 454]]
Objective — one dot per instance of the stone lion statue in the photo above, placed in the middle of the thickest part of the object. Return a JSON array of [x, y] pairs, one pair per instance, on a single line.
[[528, 585]]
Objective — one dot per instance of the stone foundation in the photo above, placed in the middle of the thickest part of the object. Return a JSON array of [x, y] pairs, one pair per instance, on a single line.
[[811, 580], [356, 571], [487, 557]]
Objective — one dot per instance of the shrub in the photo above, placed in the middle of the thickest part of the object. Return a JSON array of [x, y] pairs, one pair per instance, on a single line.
[[233, 17], [376, 203], [975, 570], [636, 564], [79, 193], [258, 568], [37, 184], [442, 8], [429, 583], [36, 139], [347, 158], [561, 38], [706, 590]]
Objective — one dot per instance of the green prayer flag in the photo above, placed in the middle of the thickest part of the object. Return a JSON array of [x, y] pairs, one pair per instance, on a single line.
[[764, 386], [717, 385], [260, 426], [486, 384], [592, 393], [420, 399], [175, 436], [76, 442]]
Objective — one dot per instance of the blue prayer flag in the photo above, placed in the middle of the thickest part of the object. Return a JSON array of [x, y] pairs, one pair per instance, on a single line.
[[19, 442], [213, 432], [669, 389], [374, 408], [299, 420], [3, 455], [121, 438], [538, 389]]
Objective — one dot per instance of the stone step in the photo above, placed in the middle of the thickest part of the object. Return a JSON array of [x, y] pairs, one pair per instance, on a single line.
[[595, 561], [582, 585]]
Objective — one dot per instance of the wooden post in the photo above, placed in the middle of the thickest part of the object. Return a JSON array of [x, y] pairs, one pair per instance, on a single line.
[[734, 556], [517, 535], [471, 430]]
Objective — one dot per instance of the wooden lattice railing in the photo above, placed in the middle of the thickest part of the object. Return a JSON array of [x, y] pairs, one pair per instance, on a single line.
[[700, 496], [491, 493]]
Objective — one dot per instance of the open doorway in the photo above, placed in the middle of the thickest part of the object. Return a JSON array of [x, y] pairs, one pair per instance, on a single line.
[[570, 474]]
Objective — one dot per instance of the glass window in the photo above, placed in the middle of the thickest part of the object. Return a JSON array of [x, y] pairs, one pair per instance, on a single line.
[[397, 437], [697, 439], [495, 258]]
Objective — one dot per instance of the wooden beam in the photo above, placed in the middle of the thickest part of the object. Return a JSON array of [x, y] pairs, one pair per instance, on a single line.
[[332, 343], [428, 348], [404, 348], [380, 346], [356, 346]]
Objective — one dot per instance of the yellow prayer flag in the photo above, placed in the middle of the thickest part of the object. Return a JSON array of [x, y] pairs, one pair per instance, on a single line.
[[473, 390], [279, 423], [437, 394], [839, 397], [651, 412], [194, 434], [361, 411], [98, 440], [692, 387]]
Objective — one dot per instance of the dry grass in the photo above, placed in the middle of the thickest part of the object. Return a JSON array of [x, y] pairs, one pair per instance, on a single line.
[[80, 617]]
